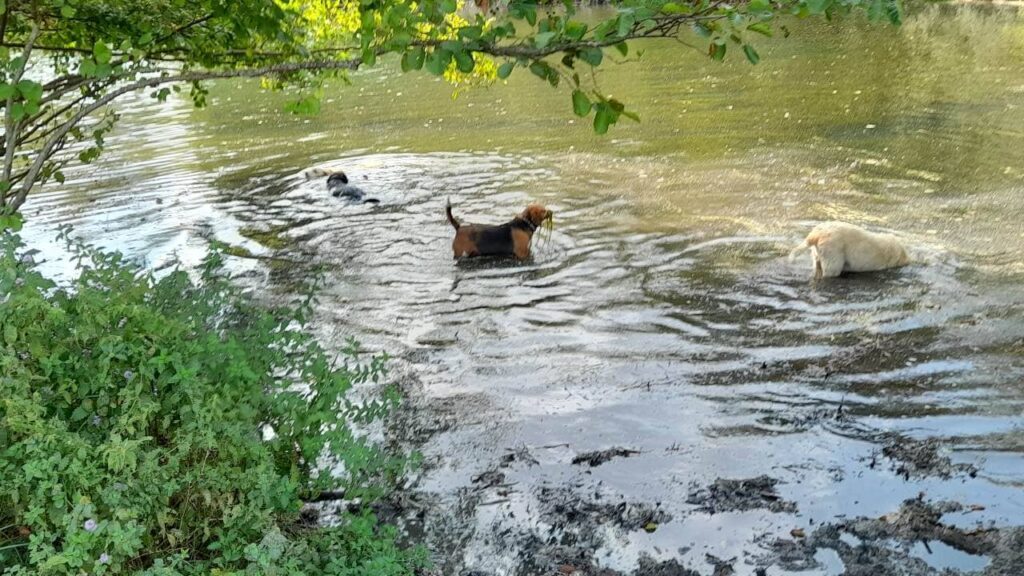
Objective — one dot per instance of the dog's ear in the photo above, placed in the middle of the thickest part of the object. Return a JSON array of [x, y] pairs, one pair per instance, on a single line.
[[337, 177]]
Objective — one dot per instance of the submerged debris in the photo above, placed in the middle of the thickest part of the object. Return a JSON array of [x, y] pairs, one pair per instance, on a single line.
[[579, 561], [563, 509], [599, 457], [489, 479], [721, 567], [919, 458], [726, 495], [521, 454], [874, 546]]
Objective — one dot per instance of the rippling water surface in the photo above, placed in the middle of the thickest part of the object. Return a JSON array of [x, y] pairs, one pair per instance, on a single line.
[[662, 313]]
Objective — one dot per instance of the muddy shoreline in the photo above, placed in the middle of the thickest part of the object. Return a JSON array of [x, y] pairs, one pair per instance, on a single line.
[[565, 525]]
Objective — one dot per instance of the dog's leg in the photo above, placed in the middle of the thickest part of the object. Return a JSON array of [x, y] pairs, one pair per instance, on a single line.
[[830, 261]]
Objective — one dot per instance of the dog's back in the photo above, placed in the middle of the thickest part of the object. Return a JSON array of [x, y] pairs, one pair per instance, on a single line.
[[839, 247]]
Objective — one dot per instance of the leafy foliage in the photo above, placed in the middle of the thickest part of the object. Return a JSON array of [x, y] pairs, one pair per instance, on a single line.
[[167, 427], [99, 50]]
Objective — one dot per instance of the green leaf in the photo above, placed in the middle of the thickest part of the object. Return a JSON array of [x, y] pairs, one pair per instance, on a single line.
[[18, 111], [895, 11], [702, 30], [818, 6], [67, 11], [32, 91], [716, 51], [626, 22], [540, 69], [763, 28], [471, 32], [464, 61], [605, 117], [580, 103], [412, 59], [87, 67], [12, 222], [751, 54], [575, 30], [416, 58], [79, 414], [673, 8], [531, 15], [305, 106], [437, 62], [758, 6], [505, 69], [6, 91], [101, 52], [623, 48], [592, 55], [369, 56], [876, 9], [543, 39]]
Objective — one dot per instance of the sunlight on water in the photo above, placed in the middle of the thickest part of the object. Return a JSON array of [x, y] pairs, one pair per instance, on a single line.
[[662, 314]]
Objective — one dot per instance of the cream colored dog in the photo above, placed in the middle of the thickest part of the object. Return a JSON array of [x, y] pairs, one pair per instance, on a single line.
[[839, 247]]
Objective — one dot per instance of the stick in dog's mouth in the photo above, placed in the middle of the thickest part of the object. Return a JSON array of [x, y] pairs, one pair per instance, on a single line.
[[549, 225]]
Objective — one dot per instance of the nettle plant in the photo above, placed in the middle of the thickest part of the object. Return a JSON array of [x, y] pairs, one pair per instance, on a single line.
[[63, 63], [162, 426]]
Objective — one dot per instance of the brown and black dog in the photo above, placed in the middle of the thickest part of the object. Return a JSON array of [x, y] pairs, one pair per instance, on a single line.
[[509, 239]]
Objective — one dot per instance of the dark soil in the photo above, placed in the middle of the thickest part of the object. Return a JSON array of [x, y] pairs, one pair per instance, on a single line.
[[920, 458], [881, 546], [601, 456], [739, 495]]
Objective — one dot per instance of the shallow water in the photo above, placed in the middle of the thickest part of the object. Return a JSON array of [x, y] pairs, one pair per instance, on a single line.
[[662, 314]]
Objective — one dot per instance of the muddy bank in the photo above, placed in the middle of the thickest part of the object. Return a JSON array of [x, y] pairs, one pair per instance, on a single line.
[[902, 542], [554, 509]]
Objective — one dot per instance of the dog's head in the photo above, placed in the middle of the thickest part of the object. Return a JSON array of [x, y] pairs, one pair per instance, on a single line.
[[337, 179], [536, 214]]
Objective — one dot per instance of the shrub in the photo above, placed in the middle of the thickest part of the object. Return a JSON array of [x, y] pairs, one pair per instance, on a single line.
[[165, 426]]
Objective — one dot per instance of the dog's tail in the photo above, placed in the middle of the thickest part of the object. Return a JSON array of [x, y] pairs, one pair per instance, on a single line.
[[810, 242], [451, 219], [796, 251], [317, 172]]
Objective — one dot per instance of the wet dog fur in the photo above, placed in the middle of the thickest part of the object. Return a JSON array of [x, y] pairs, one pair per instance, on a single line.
[[337, 184], [838, 247], [509, 239]]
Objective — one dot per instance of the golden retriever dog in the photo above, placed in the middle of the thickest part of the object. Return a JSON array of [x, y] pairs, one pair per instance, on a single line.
[[839, 247]]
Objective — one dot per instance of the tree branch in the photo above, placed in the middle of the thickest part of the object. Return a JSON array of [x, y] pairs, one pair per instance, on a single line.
[[3, 21], [11, 125], [183, 28], [47, 150], [665, 26]]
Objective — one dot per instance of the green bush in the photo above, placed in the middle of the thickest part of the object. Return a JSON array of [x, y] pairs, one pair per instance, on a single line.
[[165, 426]]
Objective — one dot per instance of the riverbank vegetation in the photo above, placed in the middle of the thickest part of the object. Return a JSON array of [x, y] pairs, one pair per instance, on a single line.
[[167, 426]]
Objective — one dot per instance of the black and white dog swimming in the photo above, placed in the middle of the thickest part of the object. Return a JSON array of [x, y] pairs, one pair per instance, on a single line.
[[338, 186]]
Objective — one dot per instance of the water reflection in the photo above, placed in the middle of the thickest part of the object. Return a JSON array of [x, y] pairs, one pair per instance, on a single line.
[[662, 314]]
